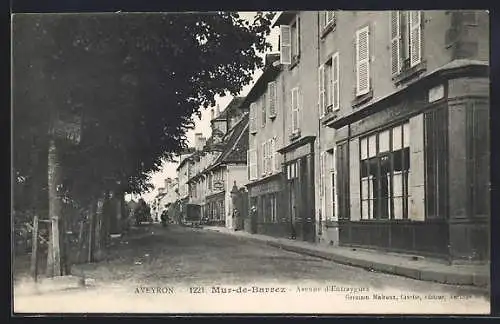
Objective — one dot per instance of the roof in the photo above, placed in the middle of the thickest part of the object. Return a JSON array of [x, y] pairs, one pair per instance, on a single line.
[[283, 17], [269, 73], [235, 144], [233, 105]]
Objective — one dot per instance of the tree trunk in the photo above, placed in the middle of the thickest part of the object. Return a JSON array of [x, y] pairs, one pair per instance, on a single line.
[[54, 252], [98, 233], [91, 231]]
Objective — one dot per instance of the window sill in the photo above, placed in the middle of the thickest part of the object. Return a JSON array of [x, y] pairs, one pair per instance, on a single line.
[[410, 73], [359, 100], [328, 28]]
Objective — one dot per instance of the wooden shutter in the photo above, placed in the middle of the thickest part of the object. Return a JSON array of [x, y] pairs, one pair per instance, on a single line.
[[275, 155], [297, 36], [272, 98], [263, 107], [285, 44], [395, 42], [362, 61], [295, 115], [263, 158], [335, 81], [253, 164], [330, 16], [253, 112], [415, 38], [321, 90], [321, 173]]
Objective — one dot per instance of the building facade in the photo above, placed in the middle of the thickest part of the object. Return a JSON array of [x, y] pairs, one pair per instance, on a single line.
[[219, 164], [371, 129], [410, 128]]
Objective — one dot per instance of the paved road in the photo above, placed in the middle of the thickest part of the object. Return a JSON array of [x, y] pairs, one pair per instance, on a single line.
[[181, 258]]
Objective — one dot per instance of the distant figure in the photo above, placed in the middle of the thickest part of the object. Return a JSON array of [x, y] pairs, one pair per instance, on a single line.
[[164, 218]]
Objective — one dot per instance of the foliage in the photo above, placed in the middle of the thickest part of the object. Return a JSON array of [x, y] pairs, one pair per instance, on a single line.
[[136, 79]]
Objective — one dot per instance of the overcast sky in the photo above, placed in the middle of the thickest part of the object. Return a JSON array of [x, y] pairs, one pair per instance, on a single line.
[[203, 125]]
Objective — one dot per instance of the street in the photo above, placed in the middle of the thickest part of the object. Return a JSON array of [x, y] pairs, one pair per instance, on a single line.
[[146, 268]]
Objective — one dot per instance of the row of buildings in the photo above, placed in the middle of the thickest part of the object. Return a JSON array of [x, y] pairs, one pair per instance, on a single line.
[[367, 128]]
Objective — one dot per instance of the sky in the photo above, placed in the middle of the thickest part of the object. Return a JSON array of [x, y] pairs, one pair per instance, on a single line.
[[203, 125]]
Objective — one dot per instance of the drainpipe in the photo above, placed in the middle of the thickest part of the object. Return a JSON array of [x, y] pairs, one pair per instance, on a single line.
[[320, 220]]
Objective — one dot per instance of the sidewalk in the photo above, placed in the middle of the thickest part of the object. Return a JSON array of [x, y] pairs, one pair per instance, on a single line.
[[398, 264]]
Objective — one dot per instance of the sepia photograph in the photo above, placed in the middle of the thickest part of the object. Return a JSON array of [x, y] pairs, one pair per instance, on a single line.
[[251, 162]]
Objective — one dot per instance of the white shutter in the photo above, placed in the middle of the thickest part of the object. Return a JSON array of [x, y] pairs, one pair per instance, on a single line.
[[335, 81], [362, 61], [253, 111], [270, 156], [263, 159], [285, 44], [253, 164], [321, 174], [275, 155], [272, 98], [297, 37], [415, 38], [321, 90], [395, 42], [263, 108], [295, 112]]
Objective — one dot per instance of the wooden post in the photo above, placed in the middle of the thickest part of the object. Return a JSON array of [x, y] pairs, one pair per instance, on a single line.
[[54, 256], [34, 249]]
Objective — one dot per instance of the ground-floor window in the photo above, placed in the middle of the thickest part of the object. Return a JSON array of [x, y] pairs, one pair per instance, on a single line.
[[478, 159], [385, 166], [436, 156]]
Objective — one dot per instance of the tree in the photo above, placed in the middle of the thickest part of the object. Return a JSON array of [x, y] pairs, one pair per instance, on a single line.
[[137, 80]]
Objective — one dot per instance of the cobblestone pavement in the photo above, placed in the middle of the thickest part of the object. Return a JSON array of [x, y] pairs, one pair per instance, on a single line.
[[179, 269]]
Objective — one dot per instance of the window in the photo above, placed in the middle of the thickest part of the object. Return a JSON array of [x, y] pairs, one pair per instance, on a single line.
[[273, 98], [253, 122], [285, 44], [264, 158], [342, 163], [275, 158], [291, 171], [333, 198], [295, 110], [328, 82], [295, 37], [252, 164], [478, 159], [327, 18], [406, 40], [363, 61], [263, 108], [436, 136], [385, 166]]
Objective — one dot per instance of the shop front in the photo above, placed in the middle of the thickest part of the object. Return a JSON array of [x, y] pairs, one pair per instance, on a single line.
[[266, 216], [413, 170], [298, 193], [215, 209]]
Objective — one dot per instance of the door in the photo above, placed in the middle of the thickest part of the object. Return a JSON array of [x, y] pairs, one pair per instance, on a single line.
[[293, 209]]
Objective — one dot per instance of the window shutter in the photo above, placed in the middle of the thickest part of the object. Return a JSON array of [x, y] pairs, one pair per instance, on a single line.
[[285, 44], [272, 98], [321, 90], [362, 61], [263, 155], [321, 173], [253, 164], [415, 38], [335, 81], [263, 107], [275, 155], [395, 42], [330, 16], [297, 36], [295, 115], [253, 109], [270, 156]]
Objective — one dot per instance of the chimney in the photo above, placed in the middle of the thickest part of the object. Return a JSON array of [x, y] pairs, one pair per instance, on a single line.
[[197, 141], [217, 111]]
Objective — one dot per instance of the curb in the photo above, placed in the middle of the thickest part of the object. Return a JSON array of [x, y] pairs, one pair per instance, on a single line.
[[470, 279]]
